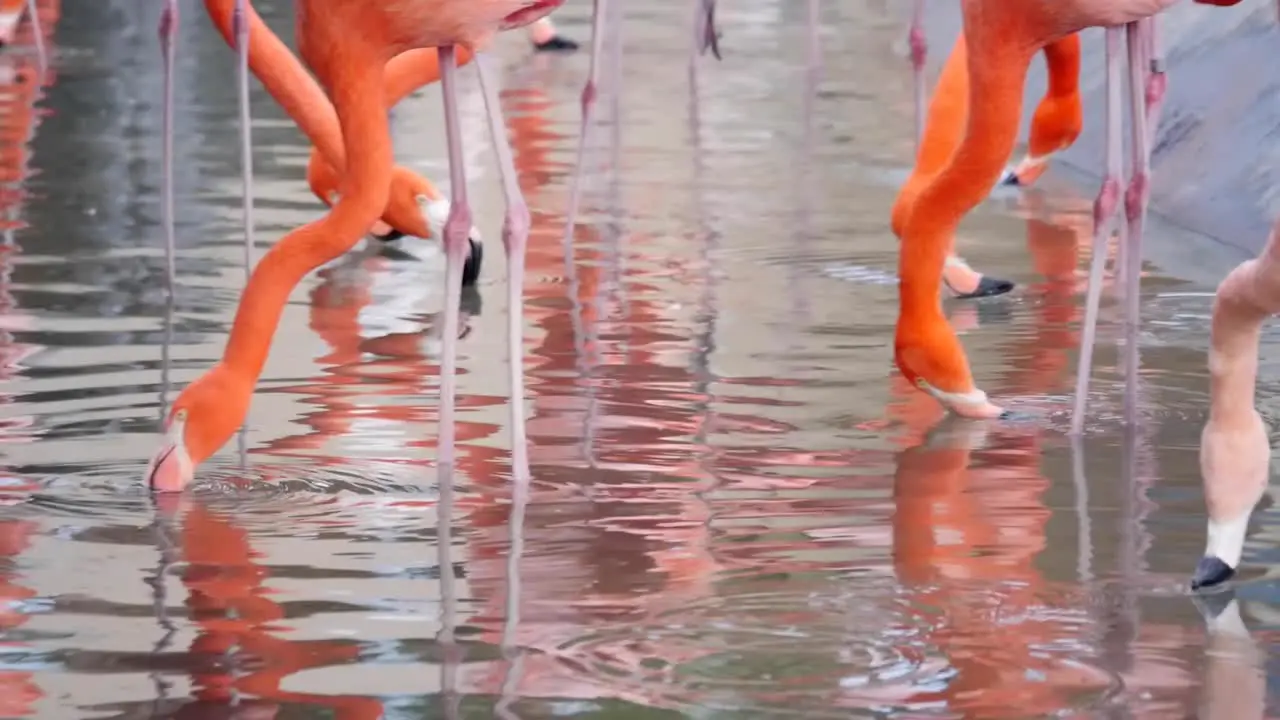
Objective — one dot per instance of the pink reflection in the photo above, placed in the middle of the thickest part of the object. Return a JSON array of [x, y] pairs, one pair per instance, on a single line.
[[235, 651]]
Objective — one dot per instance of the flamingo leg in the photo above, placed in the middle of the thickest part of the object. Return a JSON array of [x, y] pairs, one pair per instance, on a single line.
[[240, 28], [1157, 80], [705, 35], [1105, 209], [37, 37], [919, 53], [168, 37], [456, 230], [599, 10], [1135, 203], [515, 236], [815, 38]]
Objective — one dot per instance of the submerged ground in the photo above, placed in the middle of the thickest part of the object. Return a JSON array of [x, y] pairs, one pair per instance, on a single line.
[[739, 509]]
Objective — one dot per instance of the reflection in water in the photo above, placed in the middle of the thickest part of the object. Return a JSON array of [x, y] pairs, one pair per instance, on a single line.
[[738, 509]]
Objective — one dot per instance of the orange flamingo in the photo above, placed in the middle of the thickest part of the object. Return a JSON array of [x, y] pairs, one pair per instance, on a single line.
[[1055, 125], [1003, 39], [416, 207], [351, 67]]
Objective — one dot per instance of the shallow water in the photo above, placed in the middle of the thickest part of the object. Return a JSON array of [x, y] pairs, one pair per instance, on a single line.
[[739, 509]]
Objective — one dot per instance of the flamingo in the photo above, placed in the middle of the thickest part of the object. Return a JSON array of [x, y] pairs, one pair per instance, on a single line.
[[416, 207], [1003, 39], [1235, 449], [1056, 124], [351, 68]]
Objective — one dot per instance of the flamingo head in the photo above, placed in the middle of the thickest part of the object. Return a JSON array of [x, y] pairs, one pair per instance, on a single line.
[[203, 418]]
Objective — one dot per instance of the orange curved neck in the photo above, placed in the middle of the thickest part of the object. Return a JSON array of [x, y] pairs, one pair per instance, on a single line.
[[1062, 59], [286, 80]]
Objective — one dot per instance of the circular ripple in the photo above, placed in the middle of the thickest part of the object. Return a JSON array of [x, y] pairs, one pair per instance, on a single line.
[[810, 654], [869, 647], [268, 498]]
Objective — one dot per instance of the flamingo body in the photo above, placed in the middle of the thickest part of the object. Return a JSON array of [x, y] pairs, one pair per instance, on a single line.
[[347, 44]]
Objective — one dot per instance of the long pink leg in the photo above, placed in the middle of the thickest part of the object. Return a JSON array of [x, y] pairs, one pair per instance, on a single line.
[[1104, 213], [240, 31], [457, 228], [815, 37], [1157, 79], [515, 237], [38, 37], [1135, 205], [599, 10], [168, 33], [705, 35], [919, 53]]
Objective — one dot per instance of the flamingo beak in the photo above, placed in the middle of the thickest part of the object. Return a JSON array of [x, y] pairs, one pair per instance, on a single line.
[[1026, 173], [171, 469]]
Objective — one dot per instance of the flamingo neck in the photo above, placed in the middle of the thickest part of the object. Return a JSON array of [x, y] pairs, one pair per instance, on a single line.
[[358, 90], [1062, 59], [1244, 301]]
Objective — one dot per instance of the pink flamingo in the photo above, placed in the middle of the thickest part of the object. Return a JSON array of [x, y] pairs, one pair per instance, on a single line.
[[1235, 449], [347, 44]]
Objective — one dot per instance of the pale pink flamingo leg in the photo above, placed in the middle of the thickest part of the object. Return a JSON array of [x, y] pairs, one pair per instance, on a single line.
[[456, 230], [815, 37], [1135, 205], [38, 37], [1235, 447], [240, 31], [168, 37], [1157, 80], [515, 237], [919, 53], [705, 35], [599, 10], [1105, 211]]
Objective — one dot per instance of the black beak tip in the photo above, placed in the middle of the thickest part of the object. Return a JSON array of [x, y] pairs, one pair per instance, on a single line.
[[989, 287], [389, 237], [475, 259], [1010, 180], [1211, 571]]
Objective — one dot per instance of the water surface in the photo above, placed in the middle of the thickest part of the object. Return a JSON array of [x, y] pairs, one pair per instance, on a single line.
[[739, 509]]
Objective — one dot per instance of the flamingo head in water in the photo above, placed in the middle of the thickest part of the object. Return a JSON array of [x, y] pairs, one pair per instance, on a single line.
[[203, 418]]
